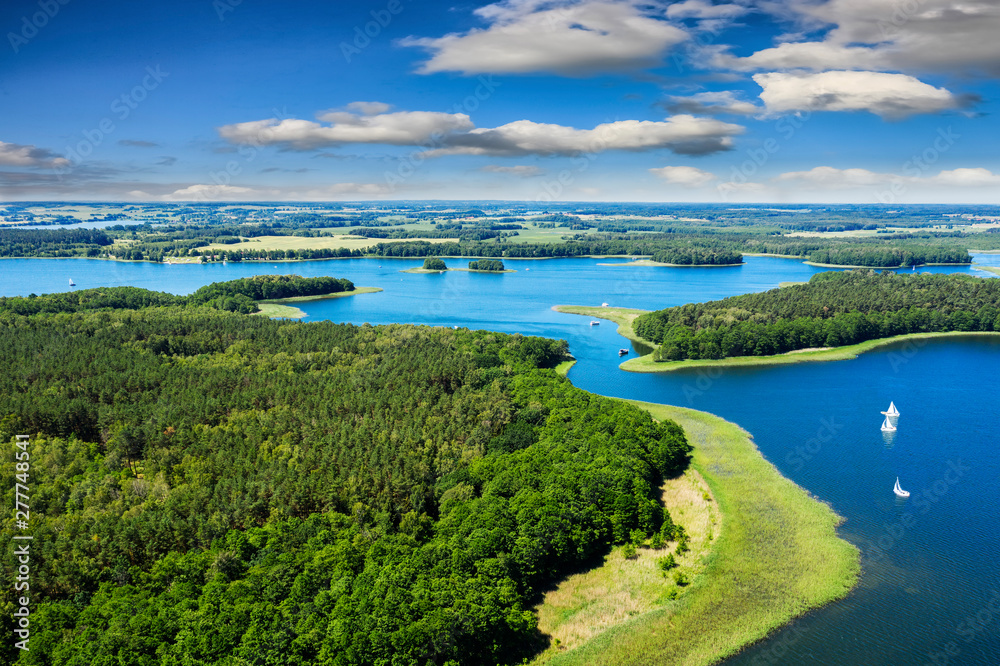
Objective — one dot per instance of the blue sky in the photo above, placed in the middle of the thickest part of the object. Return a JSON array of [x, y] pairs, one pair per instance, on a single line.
[[584, 100]]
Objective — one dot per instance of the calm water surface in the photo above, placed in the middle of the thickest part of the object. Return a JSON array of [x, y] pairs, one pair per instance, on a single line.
[[929, 563]]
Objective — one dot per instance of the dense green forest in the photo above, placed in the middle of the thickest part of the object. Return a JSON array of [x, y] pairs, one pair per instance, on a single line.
[[696, 256], [831, 310], [434, 264], [490, 265], [235, 296], [52, 242], [212, 488]]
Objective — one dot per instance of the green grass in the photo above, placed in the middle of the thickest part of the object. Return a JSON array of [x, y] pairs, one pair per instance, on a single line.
[[991, 269], [621, 316], [776, 557], [563, 368], [782, 285], [279, 307], [647, 364], [315, 243]]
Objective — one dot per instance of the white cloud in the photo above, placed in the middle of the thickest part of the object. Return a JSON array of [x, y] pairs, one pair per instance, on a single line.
[[574, 38], [915, 36], [402, 128], [683, 134], [724, 101], [454, 134], [211, 193], [830, 177], [887, 95], [368, 108], [523, 170], [967, 177], [20, 155], [684, 175], [700, 9]]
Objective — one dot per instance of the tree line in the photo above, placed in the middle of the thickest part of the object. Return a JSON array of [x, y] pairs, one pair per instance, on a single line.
[[831, 310]]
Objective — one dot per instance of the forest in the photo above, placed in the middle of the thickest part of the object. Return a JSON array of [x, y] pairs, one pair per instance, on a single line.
[[831, 310], [695, 256], [214, 488], [235, 295], [489, 265]]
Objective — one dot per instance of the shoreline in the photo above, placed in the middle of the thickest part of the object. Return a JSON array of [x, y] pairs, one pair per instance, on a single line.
[[462, 270], [278, 308], [621, 316], [844, 353], [650, 262], [776, 557], [878, 268]]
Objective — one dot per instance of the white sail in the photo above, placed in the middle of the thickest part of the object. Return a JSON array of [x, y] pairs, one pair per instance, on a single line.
[[888, 427], [892, 411], [71, 283], [899, 490]]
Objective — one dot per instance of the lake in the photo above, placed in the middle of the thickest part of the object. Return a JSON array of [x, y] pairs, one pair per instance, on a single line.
[[930, 588]]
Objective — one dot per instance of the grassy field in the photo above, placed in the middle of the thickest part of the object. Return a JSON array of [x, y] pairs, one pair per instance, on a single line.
[[315, 243], [587, 604], [782, 285], [647, 364], [776, 556], [991, 269], [621, 316], [280, 308]]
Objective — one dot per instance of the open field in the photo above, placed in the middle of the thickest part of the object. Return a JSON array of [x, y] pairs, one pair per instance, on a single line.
[[280, 308], [647, 364], [776, 557], [990, 269], [586, 604], [314, 243], [621, 316]]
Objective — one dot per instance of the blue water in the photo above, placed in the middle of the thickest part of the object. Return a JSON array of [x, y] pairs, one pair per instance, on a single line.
[[930, 588]]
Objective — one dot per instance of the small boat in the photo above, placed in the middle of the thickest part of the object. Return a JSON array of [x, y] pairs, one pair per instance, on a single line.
[[892, 411], [623, 352], [888, 427], [527, 269], [899, 491], [71, 283], [595, 323], [604, 305]]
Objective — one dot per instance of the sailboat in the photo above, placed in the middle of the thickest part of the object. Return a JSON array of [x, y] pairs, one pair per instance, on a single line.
[[892, 411], [71, 283], [888, 427], [899, 491]]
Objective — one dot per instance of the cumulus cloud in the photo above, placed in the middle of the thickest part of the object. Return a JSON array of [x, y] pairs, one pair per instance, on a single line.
[[917, 36], [523, 170], [455, 134], [710, 103], [684, 175], [887, 95], [967, 177], [701, 9], [402, 128], [682, 134], [211, 192], [21, 155], [830, 177], [573, 38]]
